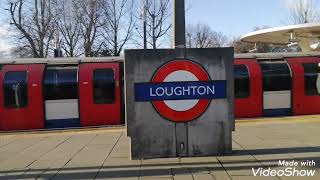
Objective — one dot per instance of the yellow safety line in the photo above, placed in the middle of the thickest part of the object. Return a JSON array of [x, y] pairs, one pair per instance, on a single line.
[[295, 119], [277, 120], [63, 131]]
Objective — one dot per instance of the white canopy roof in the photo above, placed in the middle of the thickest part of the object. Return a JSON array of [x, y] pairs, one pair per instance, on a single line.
[[304, 34]]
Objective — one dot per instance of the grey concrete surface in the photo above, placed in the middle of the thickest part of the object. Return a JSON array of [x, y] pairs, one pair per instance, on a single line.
[[104, 154], [154, 136]]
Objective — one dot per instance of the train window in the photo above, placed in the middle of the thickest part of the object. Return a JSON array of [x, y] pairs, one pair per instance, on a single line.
[[61, 83], [15, 89], [104, 86], [276, 77], [311, 79], [241, 81]]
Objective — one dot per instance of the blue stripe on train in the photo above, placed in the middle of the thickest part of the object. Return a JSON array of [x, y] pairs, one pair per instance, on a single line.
[[277, 112], [62, 123]]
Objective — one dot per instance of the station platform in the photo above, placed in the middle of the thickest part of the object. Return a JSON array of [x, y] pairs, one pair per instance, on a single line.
[[103, 153]]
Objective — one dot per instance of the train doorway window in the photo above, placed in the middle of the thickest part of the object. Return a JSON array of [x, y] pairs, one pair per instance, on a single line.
[[61, 83], [15, 89], [276, 77], [241, 81], [311, 79], [104, 86]]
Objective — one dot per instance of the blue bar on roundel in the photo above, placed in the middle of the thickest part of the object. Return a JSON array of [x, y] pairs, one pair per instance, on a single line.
[[180, 90]]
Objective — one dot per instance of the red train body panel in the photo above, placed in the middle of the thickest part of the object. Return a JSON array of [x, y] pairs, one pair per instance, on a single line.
[[92, 113], [31, 115], [250, 106], [303, 104]]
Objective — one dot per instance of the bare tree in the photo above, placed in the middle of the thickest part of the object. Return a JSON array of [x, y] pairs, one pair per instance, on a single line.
[[21, 52], [118, 24], [158, 22], [34, 20], [69, 27], [303, 11], [89, 14], [202, 36], [245, 47], [241, 47]]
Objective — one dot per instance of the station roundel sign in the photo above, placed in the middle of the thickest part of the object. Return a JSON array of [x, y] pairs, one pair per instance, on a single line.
[[182, 110]]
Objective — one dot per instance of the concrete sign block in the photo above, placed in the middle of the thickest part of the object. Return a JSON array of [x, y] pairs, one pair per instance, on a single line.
[[179, 107]]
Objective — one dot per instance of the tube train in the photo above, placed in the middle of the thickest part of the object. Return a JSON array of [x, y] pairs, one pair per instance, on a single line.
[[77, 92]]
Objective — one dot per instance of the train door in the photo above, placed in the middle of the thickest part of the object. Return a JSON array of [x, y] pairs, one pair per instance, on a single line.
[[100, 102], [248, 88], [306, 87], [277, 88], [61, 96], [22, 102]]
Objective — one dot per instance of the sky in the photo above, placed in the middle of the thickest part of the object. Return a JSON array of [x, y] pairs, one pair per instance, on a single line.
[[232, 17], [237, 17], [5, 45]]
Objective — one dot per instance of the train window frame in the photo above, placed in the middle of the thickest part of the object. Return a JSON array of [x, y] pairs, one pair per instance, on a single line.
[[25, 92], [48, 86], [248, 93], [94, 96], [311, 92], [269, 78]]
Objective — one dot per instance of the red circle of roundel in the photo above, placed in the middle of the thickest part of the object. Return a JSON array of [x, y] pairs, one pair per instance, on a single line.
[[167, 112]]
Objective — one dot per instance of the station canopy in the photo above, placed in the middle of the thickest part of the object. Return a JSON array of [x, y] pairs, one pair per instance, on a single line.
[[306, 36]]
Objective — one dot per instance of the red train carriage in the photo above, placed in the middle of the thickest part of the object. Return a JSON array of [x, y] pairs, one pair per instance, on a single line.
[[60, 93], [277, 84], [64, 93], [290, 81]]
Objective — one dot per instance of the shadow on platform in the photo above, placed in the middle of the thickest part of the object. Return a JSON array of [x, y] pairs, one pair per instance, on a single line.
[[126, 171]]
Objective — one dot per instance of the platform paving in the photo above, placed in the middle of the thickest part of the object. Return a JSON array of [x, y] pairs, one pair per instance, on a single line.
[[104, 154]]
